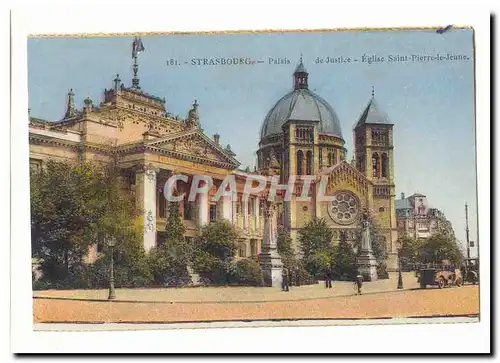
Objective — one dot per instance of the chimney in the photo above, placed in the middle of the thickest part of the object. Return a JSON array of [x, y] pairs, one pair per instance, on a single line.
[[216, 138], [402, 195]]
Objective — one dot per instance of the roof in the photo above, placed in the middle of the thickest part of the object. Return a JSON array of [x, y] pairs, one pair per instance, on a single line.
[[373, 115], [300, 68], [402, 204], [301, 105]]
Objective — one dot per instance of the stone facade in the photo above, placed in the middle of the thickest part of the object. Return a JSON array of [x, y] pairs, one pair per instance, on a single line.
[[417, 220], [303, 131], [151, 145]]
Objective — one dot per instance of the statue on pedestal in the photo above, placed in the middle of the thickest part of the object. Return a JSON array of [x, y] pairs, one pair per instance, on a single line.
[[269, 258], [367, 263]]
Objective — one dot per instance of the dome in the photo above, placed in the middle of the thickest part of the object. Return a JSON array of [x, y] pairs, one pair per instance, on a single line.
[[301, 104]]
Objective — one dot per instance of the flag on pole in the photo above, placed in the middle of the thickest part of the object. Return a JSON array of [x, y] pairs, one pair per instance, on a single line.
[[137, 47]]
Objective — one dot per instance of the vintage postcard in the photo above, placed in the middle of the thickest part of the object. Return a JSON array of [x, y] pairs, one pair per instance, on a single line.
[[253, 179]]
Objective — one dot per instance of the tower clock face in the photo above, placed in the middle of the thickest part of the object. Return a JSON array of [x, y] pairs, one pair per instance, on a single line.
[[344, 208]]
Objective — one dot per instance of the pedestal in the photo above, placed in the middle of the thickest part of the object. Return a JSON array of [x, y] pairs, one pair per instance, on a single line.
[[367, 265], [272, 268]]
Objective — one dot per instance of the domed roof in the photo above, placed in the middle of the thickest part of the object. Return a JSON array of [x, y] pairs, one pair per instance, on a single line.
[[301, 104]]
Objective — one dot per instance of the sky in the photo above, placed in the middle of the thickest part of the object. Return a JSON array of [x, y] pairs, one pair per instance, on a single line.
[[430, 103]]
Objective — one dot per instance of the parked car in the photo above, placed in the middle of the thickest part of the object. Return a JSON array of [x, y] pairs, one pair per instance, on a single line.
[[440, 277], [470, 270]]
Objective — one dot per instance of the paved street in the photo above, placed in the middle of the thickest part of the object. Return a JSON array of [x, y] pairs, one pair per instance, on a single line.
[[396, 304], [235, 294]]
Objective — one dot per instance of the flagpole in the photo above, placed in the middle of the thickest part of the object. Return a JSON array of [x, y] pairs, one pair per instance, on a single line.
[[135, 80], [467, 230]]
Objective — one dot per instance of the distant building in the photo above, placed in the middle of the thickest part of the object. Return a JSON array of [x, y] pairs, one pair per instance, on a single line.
[[416, 219]]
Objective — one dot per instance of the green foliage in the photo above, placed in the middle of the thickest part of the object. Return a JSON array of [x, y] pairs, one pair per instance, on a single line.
[[247, 272], [409, 250], [382, 272], [319, 263], [169, 261], [75, 206], [314, 237], [439, 247], [284, 242], [174, 226], [65, 210], [214, 251], [345, 259]]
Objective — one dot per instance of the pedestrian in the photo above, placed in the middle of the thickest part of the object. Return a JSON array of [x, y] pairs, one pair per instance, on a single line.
[[359, 283], [329, 280], [297, 277], [284, 284]]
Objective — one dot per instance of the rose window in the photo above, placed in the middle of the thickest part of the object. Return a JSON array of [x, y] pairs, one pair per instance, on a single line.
[[344, 209]]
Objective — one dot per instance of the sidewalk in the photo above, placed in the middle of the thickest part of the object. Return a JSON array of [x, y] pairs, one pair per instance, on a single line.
[[235, 294]]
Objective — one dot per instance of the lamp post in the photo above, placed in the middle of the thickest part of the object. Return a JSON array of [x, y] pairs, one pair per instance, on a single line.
[[111, 244], [400, 276]]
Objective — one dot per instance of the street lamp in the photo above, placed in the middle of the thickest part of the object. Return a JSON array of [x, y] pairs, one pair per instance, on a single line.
[[111, 242], [400, 276]]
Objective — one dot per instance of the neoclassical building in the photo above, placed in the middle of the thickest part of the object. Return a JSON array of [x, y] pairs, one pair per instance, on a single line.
[[302, 135], [151, 145]]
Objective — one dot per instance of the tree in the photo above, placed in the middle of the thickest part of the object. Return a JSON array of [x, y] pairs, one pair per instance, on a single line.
[[248, 272], [315, 236], [65, 214], [120, 218], [285, 249], [75, 206], [169, 260], [215, 249], [439, 247], [409, 248], [345, 259]]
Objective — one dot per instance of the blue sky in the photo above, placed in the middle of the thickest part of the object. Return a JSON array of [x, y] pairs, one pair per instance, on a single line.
[[429, 103]]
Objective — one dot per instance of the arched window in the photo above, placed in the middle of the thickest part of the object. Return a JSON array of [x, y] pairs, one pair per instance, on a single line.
[[330, 159], [309, 165], [300, 159], [385, 166], [375, 165]]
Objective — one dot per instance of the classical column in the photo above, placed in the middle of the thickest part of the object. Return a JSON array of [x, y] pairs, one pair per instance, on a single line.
[[145, 184], [226, 208], [202, 209], [257, 214], [245, 213]]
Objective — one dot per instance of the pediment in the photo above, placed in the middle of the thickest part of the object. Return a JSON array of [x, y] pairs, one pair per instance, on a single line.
[[344, 173], [194, 144]]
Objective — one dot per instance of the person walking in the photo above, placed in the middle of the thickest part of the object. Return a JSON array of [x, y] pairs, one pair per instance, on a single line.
[[297, 277], [359, 283], [284, 284]]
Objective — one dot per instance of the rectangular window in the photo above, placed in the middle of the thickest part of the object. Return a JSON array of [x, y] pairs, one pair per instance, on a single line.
[[251, 206], [213, 212], [253, 247], [162, 205], [188, 210], [35, 165], [238, 206], [242, 250]]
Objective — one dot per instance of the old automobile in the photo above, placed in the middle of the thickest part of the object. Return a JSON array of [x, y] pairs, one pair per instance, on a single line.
[[440, 276]]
